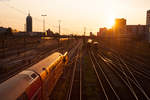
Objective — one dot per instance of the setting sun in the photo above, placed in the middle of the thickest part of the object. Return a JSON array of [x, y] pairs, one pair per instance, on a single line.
[[74, 14], [110, 21]]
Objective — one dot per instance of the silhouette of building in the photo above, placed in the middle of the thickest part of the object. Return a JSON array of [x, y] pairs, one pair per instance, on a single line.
[[102, 31], [148, 24], [141, 30], [148, 18], [137, 31], [91, 34], [50, 33], [5, 31], [120, 26], [29, 23]]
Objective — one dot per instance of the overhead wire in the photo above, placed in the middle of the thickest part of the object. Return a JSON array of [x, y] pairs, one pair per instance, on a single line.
[[37, 19]]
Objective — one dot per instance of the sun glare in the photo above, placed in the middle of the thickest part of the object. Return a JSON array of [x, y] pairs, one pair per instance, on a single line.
[[110, 22], [110, 18]]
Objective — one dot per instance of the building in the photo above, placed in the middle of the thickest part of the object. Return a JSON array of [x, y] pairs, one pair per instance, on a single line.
[[148, 24], [5, 31], [148, 18], [120, 22], [26, 34], [29, 23], [2, 29], [91, 34], [137, 29], [102, 31], [120, 26]]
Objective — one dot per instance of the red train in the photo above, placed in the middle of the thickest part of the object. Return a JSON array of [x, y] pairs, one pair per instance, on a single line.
[[36, 82]]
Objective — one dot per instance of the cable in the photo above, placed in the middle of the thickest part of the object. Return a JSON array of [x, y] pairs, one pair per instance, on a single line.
[[37, 19]]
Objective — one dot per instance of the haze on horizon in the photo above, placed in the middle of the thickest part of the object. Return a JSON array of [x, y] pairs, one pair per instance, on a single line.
[[74, 14]]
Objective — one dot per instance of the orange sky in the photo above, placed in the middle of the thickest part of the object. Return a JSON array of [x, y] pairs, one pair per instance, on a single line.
[[74, 14]]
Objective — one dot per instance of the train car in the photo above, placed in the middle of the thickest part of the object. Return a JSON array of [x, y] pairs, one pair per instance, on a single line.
[[36, 82], [64, 39], [89, 42], [95, 45], [19, 87]]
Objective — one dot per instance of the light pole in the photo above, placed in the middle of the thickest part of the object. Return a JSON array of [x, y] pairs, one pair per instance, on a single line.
[[59, 21], [84, 33], [43, 22], [59, 26]]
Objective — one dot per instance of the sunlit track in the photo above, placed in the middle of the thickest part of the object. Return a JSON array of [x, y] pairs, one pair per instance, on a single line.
[[134, 68], [127, 83], [127, 80], [136, 59], [98, 77], [75, 88], [134, 65], [68, 80], [107, 80], [72, 81], [134, 80], [129, 58], [128, 73]]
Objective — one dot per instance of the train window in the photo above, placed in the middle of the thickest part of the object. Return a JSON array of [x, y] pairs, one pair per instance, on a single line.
[[23, 97], [43, 68], [33, 75]]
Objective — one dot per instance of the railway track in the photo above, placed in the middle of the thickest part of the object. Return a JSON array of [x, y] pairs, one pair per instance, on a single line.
[[70, 82], [29, 61], [131, 60], [122, 70], [117, 78], [137, 66], [75, 88], [106, 86], [24, 66]]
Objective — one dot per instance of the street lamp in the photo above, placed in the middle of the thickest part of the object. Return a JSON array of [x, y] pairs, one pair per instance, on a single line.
[[43, 22], [59, 25], [59, 21]]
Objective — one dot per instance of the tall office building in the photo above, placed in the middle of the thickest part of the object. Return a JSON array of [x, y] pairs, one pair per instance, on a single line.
[[148, 24], [120, 26], [29, 23], [148, 18], [120, 22]]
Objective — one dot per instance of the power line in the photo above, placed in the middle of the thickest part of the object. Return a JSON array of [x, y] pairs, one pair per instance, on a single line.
[[14, 8], [37, 19]]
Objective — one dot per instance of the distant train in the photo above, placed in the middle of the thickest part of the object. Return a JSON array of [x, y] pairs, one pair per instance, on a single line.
[[89, 42], [92, 43], [95, 45], [36, 82]]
